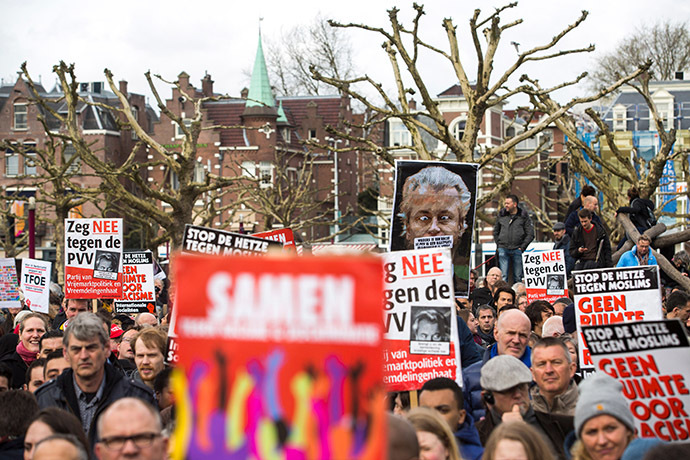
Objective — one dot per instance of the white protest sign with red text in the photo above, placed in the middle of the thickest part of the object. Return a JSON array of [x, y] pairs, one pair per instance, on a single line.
[[9, 285], [545, 276], [419, 321], [652, 361], [612, 296], [138, 294], [93, 258], [282, 235], [35, 284]]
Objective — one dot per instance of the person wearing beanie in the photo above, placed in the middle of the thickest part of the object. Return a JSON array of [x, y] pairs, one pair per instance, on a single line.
[[604, 424], [505, 390]]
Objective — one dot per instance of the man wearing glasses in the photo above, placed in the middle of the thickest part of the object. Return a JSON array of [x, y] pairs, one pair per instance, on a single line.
[[130, 428], [91, 384]]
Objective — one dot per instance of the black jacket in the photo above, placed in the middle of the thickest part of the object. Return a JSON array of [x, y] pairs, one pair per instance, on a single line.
[[60, 393], [513, 231], [638, 212], [603, 259], [18, 367]]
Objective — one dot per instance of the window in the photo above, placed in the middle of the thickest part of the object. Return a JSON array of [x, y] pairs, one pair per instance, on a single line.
[[75, 166], [399, 134], [135, 114], [11, 162], [285, 132], [174, 180], [311, 134], [266, 174], [29, 159], [619, 120], [249, 169], [458, 129], [20, 115], [199, 174], [178, 131]]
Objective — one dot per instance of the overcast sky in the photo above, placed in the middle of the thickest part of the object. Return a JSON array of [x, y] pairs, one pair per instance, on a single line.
[[220, 37]]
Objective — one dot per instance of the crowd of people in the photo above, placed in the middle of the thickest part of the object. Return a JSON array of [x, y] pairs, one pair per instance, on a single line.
[[79, 384]]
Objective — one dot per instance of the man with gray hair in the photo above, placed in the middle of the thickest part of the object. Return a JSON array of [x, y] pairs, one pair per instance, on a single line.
[[90, 384], [59, 445]]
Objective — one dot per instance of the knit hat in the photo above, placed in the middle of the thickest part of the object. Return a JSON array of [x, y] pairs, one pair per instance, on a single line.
[[601, 394], [504, 372]]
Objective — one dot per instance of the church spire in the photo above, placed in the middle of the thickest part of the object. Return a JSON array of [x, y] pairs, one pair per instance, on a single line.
[[260, 93]]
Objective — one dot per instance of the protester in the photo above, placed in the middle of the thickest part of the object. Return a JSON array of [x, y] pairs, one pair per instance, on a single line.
[[553, 327], [681, 262], [17, 408], [517, 440], [538, 312], [553, 369], [72, 307], [486, 317], [560, 304], [641, 210], [513, 232], [640, 254], [55, 365], [445, 397], [401, 403], [562, 241], [604, 424], [35, 375], [146, 320], [589, 203], [678, 306], [59, 446], [522, 302], [31, 328], [519, 289], [90, 384], [472, 324], [130, 428], [485, 295], [125, 352], [50, 341], [503, 296], [504, 381], [48, 422], [163, 390], [149, 348], [590, 246], [576, 205], [433, 434], [512, 334], [402, 439]]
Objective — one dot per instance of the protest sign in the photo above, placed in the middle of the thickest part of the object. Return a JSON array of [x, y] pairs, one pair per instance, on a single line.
[[93, 258], [203, 240], [419, 322], [282, 235], [138, 294], [545, 276], [651, 359], [9, 287], [279, 357], [35, 284], [614, 295], [433, 207]]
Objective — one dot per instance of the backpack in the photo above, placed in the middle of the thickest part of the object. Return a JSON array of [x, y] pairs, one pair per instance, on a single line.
[[648, 215]]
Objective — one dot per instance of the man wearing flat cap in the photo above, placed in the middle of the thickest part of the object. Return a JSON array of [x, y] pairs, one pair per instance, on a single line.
[[561, 240], [505, 390]]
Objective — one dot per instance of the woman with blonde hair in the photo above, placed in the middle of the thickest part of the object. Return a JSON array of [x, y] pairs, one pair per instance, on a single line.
[[436, 441], [516, 441]]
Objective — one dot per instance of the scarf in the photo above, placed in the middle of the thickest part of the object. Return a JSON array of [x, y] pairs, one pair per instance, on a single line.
[[28, 356]]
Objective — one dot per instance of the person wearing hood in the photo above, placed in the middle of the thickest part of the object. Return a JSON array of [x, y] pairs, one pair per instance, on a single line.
[[445, 396]]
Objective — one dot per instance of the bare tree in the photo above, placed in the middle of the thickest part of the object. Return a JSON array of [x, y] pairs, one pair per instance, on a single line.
[[483, 90], [124, 183], [666, 45], [304, 46]]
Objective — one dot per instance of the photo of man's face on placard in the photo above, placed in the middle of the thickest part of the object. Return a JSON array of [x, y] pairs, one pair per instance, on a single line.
[[434, 206]]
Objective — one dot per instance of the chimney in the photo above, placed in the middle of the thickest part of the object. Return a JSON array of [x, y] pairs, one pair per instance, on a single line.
[[123, 87], [680, 76], [412, 104], [207, 86], [244, 93]]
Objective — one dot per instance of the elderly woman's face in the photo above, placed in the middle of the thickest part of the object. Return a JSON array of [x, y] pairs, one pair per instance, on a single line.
[[605, 437]]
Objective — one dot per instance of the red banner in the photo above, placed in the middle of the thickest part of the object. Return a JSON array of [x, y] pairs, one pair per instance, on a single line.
[[281, 358]]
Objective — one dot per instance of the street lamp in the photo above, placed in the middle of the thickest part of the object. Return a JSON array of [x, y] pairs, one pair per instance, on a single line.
[[32, 227]]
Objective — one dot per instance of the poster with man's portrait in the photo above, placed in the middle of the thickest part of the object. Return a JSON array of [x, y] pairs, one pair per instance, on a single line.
[[434, 206]]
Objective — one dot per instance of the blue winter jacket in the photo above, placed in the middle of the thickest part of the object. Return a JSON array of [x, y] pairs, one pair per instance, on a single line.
[[467, 438], [629, 259]]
